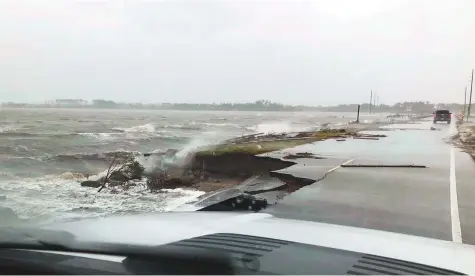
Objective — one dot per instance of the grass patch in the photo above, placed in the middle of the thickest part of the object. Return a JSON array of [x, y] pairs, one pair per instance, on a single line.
[[259, 147], [254, 147], [323, 135]]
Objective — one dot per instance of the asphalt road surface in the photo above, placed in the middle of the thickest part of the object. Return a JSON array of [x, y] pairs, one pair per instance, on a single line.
[[437, 201]]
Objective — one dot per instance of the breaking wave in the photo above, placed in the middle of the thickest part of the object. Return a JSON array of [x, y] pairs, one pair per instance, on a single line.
[[139, 135], [184, 127], [52, 135], [221, 125], [140, 128], [8, 128], [275, 127], [152, 128], [97, 135], [61, 197]]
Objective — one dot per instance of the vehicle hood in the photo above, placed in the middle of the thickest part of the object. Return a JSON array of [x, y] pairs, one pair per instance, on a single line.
[[162, 228]]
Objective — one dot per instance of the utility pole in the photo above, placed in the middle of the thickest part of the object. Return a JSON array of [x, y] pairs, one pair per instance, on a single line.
[[465, 101], [370, 101], [470, 100], [358, 115], [374, 99]]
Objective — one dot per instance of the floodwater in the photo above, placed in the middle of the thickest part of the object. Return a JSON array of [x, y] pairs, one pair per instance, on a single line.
[[46, 153]]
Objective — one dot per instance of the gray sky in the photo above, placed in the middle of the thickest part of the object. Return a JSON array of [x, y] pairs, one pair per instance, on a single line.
[[296, 52]]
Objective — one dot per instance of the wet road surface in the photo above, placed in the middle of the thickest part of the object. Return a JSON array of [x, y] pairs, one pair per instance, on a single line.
[[437, 201]]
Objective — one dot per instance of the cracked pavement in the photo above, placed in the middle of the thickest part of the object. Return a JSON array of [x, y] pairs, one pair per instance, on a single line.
[[435, 202]]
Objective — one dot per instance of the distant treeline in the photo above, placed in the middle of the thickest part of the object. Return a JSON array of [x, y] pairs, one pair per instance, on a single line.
[[414, 107], [261, 105]]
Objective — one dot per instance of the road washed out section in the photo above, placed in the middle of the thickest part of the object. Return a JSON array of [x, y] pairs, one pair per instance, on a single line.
[[434, 200]]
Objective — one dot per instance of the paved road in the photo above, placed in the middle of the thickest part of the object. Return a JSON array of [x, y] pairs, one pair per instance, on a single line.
[[437, 201]]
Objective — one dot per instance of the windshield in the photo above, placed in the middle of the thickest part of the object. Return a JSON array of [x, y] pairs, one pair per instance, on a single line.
[[321, 111]]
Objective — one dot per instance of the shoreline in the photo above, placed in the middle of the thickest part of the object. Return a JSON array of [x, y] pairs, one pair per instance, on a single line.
[[210, 186], [309, 109], [238, 166], [61, 193]]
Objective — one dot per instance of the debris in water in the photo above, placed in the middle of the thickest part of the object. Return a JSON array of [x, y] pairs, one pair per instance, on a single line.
[[366, 138], [302, 155], [371, 135], [241, 202], [91, 183]]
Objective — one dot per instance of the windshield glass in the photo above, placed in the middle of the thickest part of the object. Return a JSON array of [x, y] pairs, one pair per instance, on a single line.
[[323, 111]]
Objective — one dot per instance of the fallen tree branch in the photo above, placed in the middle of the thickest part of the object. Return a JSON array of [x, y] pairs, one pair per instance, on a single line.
[[109, 170]]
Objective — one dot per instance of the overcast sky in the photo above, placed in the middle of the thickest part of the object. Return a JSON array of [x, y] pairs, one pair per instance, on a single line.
[[297, 52]]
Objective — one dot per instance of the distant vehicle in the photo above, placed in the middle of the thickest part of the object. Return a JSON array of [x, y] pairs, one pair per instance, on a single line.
[[442, 115]]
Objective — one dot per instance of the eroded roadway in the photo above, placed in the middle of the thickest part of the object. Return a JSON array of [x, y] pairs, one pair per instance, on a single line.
[[437, 201]]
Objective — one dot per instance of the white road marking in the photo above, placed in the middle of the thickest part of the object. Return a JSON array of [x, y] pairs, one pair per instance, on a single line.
[[454, 205], [339, 166]]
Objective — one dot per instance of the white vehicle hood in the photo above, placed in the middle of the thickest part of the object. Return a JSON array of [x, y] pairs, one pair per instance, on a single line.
[[162, 228]]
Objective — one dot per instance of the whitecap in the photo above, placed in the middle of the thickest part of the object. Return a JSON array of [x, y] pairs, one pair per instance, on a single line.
[[274, 127], [98, 135], [140, 128], [8, 128], [191, 126], [221, 125]]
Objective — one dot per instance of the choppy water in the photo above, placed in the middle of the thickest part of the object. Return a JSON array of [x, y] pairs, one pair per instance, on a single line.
[[44, 153]]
